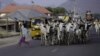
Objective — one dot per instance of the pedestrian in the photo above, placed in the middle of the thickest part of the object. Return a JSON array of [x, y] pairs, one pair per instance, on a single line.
[[24, 35], [96, 23]]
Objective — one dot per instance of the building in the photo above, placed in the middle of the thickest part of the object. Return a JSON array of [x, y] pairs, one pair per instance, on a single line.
[[9, 22], [13, 7]]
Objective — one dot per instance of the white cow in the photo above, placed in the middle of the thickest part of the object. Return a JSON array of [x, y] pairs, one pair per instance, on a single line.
[[60, 28], [68, 26], [43, 34], [70, 30]]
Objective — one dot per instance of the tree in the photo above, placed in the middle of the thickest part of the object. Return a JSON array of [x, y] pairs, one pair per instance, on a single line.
[[50, 9], [97, 15], [58, 10]]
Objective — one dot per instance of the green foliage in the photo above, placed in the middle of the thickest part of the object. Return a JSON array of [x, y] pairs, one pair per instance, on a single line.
[[97, 15], [57, 10]]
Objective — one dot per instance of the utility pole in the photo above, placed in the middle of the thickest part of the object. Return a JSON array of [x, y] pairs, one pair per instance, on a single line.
[[31, 7], [32, 4], [74, 8]]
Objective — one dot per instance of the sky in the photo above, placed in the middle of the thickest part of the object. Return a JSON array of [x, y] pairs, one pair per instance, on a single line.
[[83, 5], [42, 2]]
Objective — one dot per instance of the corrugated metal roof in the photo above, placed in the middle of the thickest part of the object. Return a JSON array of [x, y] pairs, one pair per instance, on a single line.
[[26, 15], [16, 16]]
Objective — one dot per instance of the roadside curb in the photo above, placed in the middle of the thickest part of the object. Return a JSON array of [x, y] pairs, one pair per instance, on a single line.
[[9, 41], [10, 36], [6, 45]]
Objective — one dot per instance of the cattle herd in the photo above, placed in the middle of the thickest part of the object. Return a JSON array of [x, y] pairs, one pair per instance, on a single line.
[[64, 33], [57, 32]]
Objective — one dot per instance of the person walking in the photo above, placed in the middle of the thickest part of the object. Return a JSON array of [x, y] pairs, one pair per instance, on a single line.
[[24, 35]]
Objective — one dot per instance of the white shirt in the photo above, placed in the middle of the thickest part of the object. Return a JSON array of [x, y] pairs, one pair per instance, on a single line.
[[24, 31], [97, 25]]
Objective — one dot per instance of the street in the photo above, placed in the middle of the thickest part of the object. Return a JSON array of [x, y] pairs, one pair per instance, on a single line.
[[90, 49], [49, 28]]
